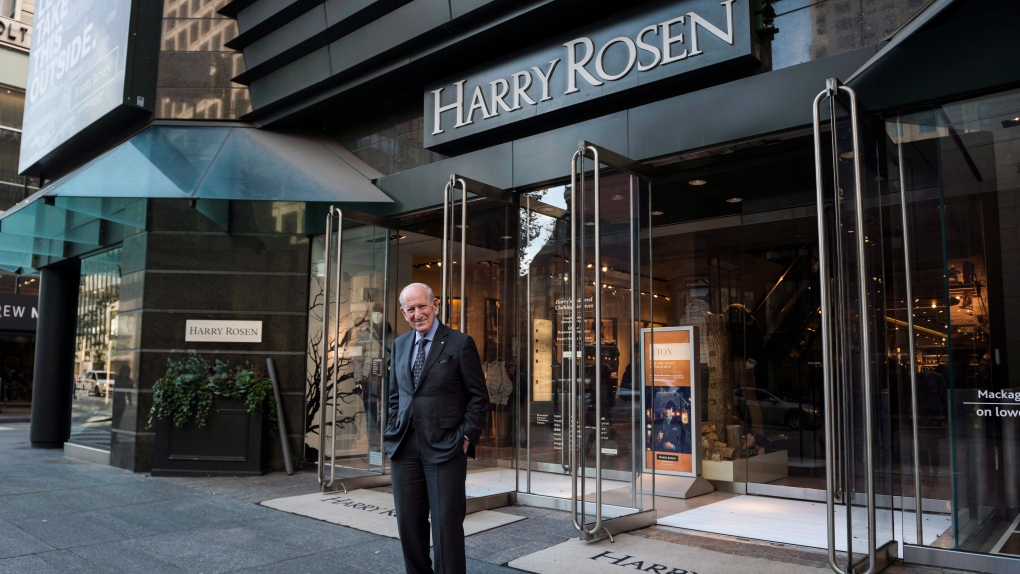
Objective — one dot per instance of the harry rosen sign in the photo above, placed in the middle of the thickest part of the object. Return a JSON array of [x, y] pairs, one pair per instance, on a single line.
[[653, 42]]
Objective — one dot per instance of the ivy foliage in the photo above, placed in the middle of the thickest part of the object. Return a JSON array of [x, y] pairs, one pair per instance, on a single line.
[[191, 382]]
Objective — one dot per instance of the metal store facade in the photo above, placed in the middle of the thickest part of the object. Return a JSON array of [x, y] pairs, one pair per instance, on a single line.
[[759, 252]]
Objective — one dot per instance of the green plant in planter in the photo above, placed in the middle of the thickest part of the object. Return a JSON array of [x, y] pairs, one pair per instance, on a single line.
[[187, 390]]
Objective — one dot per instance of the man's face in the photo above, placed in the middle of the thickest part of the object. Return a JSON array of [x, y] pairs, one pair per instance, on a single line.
[[418, 310], [684, 417]]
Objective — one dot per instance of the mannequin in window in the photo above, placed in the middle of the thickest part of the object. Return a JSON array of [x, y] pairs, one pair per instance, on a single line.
[[374, 338], [500, 386]]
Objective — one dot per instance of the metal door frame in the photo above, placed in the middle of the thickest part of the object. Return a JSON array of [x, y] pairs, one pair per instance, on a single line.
[[333, 265], [601, 527], [466, 185]]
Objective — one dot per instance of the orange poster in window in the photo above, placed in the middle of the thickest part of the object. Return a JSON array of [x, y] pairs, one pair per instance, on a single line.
[[669, 401]]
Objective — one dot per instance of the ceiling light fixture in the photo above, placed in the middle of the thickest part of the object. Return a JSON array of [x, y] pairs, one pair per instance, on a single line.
[[697, 182], [506, 236], [847, 155], [657, 212], [735, 200], [616, 197]]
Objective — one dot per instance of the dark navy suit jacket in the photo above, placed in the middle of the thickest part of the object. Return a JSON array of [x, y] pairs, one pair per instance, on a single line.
[[449, 403]]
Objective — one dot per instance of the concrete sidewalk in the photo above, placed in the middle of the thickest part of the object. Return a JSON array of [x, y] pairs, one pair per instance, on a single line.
[[62, 515]]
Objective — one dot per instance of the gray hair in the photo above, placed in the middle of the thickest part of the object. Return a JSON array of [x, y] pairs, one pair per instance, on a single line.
[[432, 296]]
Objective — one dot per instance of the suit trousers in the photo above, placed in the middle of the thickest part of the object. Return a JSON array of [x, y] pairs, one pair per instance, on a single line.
[[421, 487]]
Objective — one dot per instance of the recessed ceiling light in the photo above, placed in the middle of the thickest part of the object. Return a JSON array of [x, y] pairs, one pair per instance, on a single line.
[[847, 155], [658, 212], [459, 226], [616, 197], [589, 223], [735, 200], [506, 236], [697, 182]]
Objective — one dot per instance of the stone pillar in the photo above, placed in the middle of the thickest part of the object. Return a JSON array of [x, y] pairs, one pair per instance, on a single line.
[[53, 386], [186, 267]]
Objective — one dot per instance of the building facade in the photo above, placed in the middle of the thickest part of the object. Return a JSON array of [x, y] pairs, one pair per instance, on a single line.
[[749, 247], [17, 335]]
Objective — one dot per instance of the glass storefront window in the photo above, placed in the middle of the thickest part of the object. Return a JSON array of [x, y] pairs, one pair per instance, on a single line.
[[95, 378], [960, 173]]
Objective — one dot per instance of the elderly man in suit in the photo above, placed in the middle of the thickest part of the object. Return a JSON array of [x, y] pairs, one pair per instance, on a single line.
[[437, 402]]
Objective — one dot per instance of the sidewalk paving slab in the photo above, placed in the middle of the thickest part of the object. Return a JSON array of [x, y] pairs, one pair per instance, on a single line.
[[63, 515]]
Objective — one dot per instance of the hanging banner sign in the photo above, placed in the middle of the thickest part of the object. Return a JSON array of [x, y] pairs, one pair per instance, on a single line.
[[634, 48], [76, 73], [671, 417]]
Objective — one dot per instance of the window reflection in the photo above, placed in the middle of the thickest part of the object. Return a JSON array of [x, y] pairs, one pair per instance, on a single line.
[[961, 162], [96, 376], [196, 67]]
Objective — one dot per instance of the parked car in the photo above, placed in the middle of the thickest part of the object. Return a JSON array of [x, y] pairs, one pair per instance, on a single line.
[[99, 383], [776, 408]]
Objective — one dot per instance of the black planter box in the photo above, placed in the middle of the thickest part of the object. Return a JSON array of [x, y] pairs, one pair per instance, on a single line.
[[230, 444]]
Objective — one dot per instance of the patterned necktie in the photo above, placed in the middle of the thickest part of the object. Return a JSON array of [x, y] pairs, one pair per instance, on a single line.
[[419, 361]]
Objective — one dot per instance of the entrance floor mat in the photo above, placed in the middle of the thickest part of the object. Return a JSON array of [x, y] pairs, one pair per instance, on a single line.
[[372, 511], [798, 522], [638, 554]]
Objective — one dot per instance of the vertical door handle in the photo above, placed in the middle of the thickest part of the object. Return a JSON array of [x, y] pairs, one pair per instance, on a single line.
[[597, 327], [862, 274], [444, 293], [324, 354], [332, 263], [827, 351], [336, 339], [574, 425], [463, 256]]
